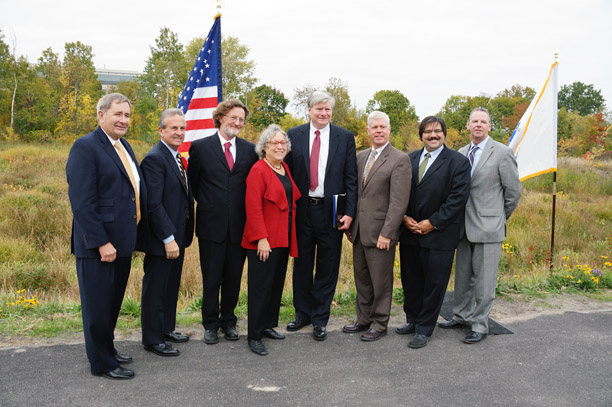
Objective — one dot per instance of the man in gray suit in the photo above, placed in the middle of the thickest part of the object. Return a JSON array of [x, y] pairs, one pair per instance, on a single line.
[[384, 189], [494, 194]]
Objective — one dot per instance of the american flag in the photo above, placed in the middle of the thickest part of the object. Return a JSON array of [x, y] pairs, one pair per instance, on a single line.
[[203, 90]]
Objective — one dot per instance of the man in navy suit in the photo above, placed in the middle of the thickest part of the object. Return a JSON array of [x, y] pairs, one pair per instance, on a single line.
[[440, 190], [170, 220], [106, 193], [323, 163], [218, 168]]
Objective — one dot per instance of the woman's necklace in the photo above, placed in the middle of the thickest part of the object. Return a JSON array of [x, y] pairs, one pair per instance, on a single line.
[[273, 167]]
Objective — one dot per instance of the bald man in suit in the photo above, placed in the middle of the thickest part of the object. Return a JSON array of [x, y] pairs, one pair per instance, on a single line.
[[494, 194]]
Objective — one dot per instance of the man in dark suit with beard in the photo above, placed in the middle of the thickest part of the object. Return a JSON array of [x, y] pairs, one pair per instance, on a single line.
[[440, 190], [170, 219], [218, 168], [323, 163]]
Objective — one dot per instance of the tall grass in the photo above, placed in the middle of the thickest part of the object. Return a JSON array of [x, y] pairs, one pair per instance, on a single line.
[[35, 223]]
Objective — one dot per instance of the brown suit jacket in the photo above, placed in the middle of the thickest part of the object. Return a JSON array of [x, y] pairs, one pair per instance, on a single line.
[[382, 201]]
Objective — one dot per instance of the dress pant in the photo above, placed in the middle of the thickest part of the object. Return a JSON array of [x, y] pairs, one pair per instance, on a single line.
[[160, 287], [221, 265], [475, 283], [266, 281], [373, 269], [425, 273], [101, 286], [312, 298]]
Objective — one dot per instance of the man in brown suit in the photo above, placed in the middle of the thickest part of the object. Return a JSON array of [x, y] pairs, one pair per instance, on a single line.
[[383, 193]]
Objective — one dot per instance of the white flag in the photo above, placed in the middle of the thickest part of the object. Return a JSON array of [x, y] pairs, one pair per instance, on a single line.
[[534, 141]]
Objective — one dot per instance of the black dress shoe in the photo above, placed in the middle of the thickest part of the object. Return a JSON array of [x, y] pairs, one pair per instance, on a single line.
[[319, 333], [372, 335], [418, 341], [163, 349], [297, 324], [176, 337], [405, 329], [474, 337], [354, 328], [450, 324], [258, 347], [211, 337], [230, 333], [117, 374], [272, 334], [123, 359]]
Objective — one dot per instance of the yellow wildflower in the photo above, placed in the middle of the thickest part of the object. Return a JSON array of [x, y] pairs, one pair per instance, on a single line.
[[608, 264], [595, 279], [565, 258]]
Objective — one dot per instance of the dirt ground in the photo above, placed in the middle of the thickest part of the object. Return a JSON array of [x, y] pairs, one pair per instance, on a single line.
[[506, 310]]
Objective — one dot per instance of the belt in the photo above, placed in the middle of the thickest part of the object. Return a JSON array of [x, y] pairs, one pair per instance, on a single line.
[[315, 201]]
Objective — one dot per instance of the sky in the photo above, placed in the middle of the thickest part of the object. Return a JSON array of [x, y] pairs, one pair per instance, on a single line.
[[428, 50]]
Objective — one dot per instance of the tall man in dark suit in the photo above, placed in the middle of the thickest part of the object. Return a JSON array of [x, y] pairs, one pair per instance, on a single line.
[[106, 193], [218, 168], [322, 162], [495, 193], [384, 191], [170, 219], [440, 189]]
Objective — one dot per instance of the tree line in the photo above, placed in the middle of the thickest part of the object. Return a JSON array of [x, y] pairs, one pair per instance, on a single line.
[[54, 99]]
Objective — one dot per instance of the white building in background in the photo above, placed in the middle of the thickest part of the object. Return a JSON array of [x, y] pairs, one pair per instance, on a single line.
[[111, 77]]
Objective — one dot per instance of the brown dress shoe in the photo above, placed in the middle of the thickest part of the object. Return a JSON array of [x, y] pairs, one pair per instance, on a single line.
[[372, 335], [354, 328]]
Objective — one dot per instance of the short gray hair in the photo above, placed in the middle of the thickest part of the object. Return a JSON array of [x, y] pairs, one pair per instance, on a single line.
[[266, 135], [320, 96], [378, 115], [480, 109], [173, 111], [106, 101]]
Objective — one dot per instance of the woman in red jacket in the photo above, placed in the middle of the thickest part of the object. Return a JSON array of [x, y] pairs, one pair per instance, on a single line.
[[269, 234]]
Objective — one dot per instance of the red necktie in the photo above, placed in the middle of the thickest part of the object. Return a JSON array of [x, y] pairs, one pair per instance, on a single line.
[[228, 155], [314, 161]]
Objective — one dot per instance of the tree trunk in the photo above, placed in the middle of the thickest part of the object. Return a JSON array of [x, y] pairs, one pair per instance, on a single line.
[[13, 101]]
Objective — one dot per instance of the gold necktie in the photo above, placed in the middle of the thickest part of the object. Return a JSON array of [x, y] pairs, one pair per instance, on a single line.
[[423, 166], [369, 165], [128, 169]]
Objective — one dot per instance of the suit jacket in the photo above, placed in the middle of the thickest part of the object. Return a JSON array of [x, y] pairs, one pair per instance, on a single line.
[[169, 206], [495, 193], [383, 199], [440, 197], [340, 172], [267, 209], [102, 197], [219, 191]]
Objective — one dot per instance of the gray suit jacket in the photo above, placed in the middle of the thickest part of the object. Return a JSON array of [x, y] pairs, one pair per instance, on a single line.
[[494, 194], [382, 201]]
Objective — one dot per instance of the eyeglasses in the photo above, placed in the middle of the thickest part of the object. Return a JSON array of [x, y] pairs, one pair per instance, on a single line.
[[276, 143], [436, 131], [236, 118]]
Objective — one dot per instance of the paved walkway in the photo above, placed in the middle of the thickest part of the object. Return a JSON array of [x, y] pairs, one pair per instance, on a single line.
[[554, 360]]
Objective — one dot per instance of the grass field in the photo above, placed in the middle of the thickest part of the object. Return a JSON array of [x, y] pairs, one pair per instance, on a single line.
[[38, 284]]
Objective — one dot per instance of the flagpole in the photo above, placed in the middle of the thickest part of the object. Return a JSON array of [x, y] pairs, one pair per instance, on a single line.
[[554, 204]]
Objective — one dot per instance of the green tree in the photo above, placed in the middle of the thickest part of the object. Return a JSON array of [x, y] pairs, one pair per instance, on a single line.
[[237, 69], [267, 105], [166, 69], [80, 90], [394, 104], [581, 98]]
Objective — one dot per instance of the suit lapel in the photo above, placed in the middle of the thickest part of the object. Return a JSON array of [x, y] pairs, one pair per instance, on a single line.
[[435, 165], [334, 140], [304, 141], [217, 149], [112, 152], [484, 156], [172, 162], [378, 163]]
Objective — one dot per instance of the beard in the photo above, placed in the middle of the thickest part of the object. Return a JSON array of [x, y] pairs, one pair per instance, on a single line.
[[229, 131]]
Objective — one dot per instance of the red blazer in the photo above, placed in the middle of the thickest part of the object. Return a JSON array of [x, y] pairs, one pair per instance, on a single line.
[[267, 209]]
